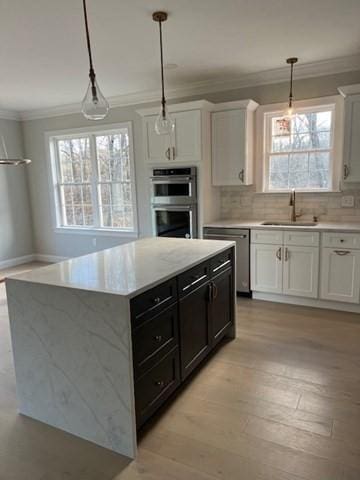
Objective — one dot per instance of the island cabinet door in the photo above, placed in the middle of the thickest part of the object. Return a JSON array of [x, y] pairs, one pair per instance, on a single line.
[[221, 305], [195, 337]]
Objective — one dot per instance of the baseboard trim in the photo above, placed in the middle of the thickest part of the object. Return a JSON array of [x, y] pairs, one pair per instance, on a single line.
[[49, 258], [13, 262], [307, 302], [35, 257]]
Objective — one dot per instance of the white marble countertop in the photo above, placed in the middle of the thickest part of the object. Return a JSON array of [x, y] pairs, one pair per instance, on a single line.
[[129, 269], [256, 224]]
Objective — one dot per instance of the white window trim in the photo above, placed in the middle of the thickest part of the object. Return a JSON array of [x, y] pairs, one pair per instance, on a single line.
[[50, 145], [336, 103]]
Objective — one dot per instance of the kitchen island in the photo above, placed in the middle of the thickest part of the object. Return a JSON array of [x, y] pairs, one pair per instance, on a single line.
[[100, 342]]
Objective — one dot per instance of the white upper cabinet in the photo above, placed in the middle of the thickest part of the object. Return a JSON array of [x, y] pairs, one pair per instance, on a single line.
[[232, 132], [351, 171], [185, 144], [186, 138]]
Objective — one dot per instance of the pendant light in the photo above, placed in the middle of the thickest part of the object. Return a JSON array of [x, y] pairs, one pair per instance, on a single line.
[[94, 106], [291, 61], [164, 124], [4, 157]]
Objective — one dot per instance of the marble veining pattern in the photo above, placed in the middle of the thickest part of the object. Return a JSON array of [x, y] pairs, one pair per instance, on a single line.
[[129, 269], [73, 363]]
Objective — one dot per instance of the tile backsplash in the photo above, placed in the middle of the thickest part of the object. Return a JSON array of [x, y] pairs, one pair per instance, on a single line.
[[244, 203]]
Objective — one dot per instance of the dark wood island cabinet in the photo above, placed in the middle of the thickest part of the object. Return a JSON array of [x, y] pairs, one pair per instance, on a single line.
[[175, 325]]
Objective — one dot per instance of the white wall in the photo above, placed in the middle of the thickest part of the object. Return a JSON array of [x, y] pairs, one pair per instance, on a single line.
[[15, 212], [51, 243]]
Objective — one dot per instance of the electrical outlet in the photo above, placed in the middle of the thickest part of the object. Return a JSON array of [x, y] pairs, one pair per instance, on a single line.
[[347, 201]]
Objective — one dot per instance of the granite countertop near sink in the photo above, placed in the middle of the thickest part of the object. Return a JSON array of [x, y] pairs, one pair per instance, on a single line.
[[257, 224]]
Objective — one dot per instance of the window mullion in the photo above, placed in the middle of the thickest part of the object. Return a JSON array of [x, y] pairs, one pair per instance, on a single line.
[[94, 182]]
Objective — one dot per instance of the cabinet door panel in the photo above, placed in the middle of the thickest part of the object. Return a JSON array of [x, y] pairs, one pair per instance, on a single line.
[[229, 148], [155, 145], [222, 305], [186, 138], [194, 329], [301, 271], [266, 268], [340, 275]]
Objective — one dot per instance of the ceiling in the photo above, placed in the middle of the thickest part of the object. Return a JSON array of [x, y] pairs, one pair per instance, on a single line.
[[44, 60]]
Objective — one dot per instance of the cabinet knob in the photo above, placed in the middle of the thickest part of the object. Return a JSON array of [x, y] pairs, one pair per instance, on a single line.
[[241, 176], [278, 253], [346, 172], [158, 338], [168, 153], [157, 300], [342, 240], [160, 383]]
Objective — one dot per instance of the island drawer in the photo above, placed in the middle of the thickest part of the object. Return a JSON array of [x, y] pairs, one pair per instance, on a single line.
[[342, 240], [221, 262], [153, 388], [154, 338], [193, 278], [153, 301]]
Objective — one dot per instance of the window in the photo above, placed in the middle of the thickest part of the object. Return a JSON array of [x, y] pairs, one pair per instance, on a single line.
[[93, 179], [299, 150]]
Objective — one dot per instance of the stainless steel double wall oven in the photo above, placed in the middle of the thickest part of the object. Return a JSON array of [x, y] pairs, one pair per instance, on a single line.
[[174, 202]]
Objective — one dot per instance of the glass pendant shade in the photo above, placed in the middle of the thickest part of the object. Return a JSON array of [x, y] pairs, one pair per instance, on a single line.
[[94, 106], [4, 157], [164, 124]]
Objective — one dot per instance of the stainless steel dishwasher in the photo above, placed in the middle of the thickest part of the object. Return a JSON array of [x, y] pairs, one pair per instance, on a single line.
[[242, 239]]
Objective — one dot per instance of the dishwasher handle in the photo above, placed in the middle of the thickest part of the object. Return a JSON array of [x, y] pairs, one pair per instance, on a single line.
[[210, 235]]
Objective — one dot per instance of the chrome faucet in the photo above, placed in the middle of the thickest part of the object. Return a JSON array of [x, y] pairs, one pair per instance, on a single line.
[[292, 204]]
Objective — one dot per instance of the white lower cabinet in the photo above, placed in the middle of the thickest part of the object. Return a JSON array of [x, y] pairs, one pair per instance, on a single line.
[[301, 271], [266, 268], [286, 267], [340, 275]]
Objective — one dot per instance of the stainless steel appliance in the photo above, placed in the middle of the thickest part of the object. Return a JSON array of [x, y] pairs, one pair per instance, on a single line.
[[242, 239], [174, 202]]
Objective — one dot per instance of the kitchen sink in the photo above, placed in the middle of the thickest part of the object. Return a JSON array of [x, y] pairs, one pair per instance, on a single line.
[[290, 224]]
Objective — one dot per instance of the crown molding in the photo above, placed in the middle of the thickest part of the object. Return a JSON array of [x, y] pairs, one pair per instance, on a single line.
[[9, 114], [349, 90], [307, 70]]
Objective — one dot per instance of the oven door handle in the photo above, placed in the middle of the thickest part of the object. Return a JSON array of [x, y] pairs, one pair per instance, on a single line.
[[180, 208], [171, 179]]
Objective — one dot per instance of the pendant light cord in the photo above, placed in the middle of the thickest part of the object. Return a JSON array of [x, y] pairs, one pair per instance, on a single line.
[[163, 101], [92, 72], [291, 85]]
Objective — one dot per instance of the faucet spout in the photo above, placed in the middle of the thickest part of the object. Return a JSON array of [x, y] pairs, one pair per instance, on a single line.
[[292, 204]]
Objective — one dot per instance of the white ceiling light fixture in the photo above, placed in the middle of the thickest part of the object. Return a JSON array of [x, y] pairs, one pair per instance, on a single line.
[[164, 124], [4, 157], [94, 106]]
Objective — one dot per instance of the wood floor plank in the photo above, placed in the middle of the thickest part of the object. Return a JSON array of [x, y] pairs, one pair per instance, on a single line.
[[249, 456], [307, 442]]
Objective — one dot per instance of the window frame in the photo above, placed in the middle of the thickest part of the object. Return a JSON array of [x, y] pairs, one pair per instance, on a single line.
[[264, 115], [51, 139]]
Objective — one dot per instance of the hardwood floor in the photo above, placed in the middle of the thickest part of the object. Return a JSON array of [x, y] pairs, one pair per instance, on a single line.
[[281, 402]]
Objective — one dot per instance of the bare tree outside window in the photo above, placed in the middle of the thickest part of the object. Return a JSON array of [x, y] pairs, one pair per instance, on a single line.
[[95, 181], [300, 151]]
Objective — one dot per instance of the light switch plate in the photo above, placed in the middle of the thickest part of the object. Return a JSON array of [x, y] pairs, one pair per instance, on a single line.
[[347, 201]]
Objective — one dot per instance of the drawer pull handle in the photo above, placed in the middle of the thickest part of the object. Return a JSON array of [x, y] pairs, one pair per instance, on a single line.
[[342, 252], [286, 254], [194, 282], [160, 383], [222, 265], [158, 338], [342, 240], [278, 253], [157, 300]]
